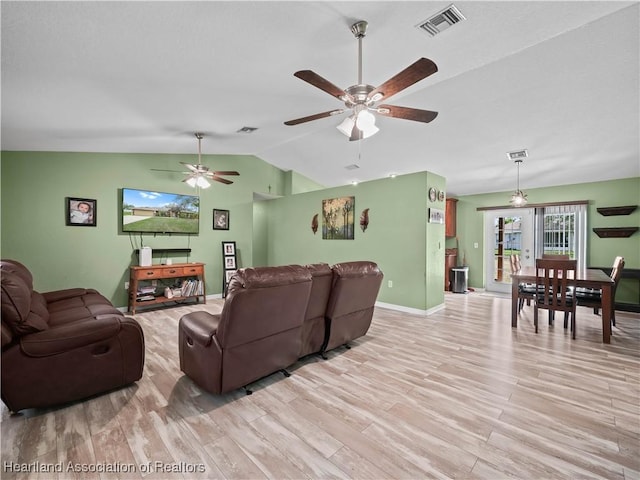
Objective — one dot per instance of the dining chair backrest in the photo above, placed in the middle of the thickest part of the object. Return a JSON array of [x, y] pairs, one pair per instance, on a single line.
[[515, 262], [616, 271], [549, 256], [556, 280]]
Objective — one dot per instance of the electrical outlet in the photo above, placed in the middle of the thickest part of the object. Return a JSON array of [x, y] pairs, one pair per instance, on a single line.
[[390, 283], [475, 245], [126, 285]]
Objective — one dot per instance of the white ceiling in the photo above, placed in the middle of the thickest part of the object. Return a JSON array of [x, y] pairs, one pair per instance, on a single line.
[[560, 79]]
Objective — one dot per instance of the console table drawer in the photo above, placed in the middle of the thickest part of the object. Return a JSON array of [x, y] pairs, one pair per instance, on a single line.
[[168, 271], [193, 270], [151, 273]]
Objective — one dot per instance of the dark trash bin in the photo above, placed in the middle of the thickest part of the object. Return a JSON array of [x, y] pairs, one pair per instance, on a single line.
[[459, 279]]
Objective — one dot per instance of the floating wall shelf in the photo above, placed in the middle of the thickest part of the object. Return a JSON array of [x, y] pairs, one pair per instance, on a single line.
[[619, 232], [608, 211]]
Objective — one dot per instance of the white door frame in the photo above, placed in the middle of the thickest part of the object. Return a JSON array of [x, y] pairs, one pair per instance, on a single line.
[[526, 244]]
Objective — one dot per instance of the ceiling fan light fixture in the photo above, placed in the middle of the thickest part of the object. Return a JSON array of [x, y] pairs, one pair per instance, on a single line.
[[192, 182], [369, 130], [346, 126], [365, 120], [202, 182]]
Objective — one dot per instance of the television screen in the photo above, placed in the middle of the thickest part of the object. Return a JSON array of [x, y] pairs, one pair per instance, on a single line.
[[145, 211]]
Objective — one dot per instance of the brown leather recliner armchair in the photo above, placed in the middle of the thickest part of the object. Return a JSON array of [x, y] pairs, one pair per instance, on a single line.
[[314, 331], [62, 346], [351, 303], [257, 333]]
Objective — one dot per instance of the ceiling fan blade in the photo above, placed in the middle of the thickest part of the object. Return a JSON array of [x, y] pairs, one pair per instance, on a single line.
[[407, 113], [221, 180], [193, 168], [413, 73], [321, 83], [226, 173], [314, 117], [162, 170]]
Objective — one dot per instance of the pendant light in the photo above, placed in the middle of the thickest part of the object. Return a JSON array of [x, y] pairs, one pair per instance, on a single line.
[[519, 198]]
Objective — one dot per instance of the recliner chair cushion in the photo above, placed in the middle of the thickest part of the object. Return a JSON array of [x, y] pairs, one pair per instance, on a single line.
[[24, 310]]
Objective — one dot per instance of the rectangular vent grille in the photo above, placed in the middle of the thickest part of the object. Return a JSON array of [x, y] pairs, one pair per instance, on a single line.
[[353, 166], [442, 20], [518, 155]]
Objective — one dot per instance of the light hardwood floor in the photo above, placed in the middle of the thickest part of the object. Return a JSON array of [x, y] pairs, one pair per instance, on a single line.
[[455, 394]]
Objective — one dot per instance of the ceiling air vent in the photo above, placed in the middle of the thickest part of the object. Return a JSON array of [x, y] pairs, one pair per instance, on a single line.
[[517, 155], [441, 20], [247, 130], [353, 166]]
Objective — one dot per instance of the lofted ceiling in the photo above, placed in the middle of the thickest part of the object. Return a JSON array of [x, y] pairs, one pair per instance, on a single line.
[[560, 79]]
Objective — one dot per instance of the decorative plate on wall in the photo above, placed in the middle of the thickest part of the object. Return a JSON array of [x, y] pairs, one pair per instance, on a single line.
[[433, 194], [441, 195]]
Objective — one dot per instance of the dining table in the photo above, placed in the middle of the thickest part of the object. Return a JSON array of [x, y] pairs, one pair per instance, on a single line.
[[588, 278]]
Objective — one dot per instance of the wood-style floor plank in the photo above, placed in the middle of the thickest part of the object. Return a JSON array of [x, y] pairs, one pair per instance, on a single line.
[[454, 394]]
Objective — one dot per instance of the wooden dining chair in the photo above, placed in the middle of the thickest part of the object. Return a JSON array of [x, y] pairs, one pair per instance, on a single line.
[[592, 297], [526, 291], [556, 282]]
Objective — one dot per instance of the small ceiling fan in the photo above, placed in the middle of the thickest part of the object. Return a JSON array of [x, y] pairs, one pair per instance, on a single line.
[[199, 174], [361, 99]]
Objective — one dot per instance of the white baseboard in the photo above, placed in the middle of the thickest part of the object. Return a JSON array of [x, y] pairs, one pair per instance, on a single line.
[[415, 311]]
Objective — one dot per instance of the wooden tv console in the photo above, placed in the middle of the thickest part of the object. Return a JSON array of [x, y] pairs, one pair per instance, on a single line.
[[155, 272]]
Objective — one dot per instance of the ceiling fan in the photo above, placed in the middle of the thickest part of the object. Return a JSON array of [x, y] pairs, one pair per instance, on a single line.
[[199, 174], [361, 99]]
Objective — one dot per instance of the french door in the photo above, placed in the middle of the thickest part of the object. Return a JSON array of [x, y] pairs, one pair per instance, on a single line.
[[507, 232]]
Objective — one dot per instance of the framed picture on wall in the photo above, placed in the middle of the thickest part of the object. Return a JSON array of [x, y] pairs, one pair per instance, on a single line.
[[228, 274], [230, 263], [436, 215], [220, 219], [228, 248], [81, 212]]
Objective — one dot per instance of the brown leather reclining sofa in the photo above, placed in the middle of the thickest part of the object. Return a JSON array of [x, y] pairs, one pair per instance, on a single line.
[[64, 345], [273, 316]]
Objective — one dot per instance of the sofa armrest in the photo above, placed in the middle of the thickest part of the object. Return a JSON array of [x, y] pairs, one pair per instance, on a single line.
[[70, 336], [58, 295], [200, 327]]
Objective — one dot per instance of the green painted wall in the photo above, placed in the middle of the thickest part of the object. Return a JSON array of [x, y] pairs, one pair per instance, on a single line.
[[601, 251], [409, 251], [34, 187], [296, 183]]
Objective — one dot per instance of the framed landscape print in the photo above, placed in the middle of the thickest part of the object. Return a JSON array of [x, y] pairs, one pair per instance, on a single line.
[[338, 218]]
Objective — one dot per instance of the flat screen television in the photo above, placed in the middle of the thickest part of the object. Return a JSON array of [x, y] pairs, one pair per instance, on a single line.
[[146, 211]]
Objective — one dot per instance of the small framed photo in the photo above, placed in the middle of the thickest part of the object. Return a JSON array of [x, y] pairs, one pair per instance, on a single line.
[[220, 219], [228, 248], [436, 215], [230, 263], [81, 212], [228, 274]]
